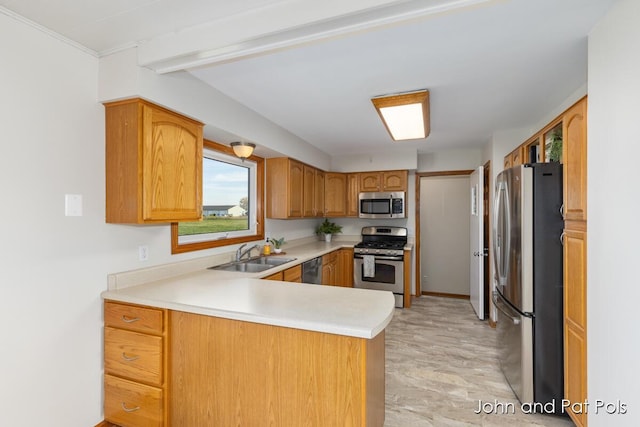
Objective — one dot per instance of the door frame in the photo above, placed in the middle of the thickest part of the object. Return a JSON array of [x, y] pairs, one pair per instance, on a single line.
[[420, 175]]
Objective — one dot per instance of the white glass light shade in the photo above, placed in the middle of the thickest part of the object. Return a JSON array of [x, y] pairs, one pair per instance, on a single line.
[[243, 149]]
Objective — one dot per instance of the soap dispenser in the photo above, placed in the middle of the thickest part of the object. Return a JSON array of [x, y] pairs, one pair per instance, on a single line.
[[266, 249]]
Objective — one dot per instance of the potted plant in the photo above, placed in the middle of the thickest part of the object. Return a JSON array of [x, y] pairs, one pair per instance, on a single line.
[[277, 244], [328, 229]]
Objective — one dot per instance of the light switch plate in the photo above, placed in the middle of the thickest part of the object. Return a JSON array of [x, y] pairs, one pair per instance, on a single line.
[[73, 204]]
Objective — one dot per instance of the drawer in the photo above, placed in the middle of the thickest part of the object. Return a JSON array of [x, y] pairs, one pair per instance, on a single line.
[[329, 258], [129, 404], [133, 317], [133, 355]]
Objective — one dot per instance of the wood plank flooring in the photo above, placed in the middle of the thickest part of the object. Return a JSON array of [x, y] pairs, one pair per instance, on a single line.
[[440, 362]]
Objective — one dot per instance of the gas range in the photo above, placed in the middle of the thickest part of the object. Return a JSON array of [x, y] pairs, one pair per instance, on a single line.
[[385, 241]]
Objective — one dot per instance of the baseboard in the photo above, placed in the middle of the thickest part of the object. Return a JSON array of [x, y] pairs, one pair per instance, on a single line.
[[445, 295]]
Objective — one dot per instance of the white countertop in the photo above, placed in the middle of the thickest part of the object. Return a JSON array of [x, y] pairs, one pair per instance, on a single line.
[[353, 312]]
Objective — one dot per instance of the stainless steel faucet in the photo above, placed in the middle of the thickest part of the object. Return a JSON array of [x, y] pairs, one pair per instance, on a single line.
[[240, 253]]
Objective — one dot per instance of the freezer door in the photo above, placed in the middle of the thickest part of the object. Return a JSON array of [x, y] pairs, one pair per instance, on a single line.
[[515, 348]]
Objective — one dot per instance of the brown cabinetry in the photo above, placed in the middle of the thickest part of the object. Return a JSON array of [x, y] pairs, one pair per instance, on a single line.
[[345, 267], [330, 269], [294, 190], [335, 194], [275, 276], [574, 155], [353, 191], [153, 164], [293, 274], [135, 365], [384, 181]]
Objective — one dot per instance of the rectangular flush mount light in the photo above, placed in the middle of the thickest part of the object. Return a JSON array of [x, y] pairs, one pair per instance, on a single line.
[[405, 115]]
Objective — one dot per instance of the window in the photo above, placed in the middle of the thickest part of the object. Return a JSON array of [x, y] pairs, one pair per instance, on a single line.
[[232, 198]]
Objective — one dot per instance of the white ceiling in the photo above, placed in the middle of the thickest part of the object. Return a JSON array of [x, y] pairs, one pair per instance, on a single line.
[[312, 67]]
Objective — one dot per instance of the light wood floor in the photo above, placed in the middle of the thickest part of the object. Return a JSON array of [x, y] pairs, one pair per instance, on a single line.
[[440, 362]]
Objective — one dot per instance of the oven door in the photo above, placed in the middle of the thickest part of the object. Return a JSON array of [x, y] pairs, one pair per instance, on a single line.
[[388, 275]]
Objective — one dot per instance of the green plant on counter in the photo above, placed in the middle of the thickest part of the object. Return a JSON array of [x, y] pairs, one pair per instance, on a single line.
[[327, 227], [277, 243]]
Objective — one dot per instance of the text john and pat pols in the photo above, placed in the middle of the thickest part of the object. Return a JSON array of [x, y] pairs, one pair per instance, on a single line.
[[553, 407]]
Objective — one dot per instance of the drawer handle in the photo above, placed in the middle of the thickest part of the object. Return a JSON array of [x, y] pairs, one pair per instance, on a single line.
[[125, 409], [129, 359], [126, 319]]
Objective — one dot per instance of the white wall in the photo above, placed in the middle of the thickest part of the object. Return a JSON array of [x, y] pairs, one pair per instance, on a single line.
[[53, 267], [451, 160], [613, 289]]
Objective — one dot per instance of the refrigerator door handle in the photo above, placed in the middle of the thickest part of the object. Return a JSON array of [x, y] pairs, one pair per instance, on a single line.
[[504, 309]]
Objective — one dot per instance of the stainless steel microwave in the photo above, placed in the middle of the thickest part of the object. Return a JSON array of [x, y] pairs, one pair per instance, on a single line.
[[381, 205]]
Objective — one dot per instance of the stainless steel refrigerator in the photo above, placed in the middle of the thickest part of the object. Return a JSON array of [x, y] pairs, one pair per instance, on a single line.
[[527, 252]]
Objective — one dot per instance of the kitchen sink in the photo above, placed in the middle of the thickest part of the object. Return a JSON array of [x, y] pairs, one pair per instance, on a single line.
[[253, 265], [272, 261]]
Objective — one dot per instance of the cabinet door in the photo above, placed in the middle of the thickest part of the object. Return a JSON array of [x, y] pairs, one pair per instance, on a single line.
[[318, 192], [329, 268], [171, 167], [293, 274], [275, 276], [394, 180], [296, 188], [345, 267], [335, 196], [516, 157], [308, 194], [370, 181], [574, 156], [353, 190], [575, 319], [507, 161]]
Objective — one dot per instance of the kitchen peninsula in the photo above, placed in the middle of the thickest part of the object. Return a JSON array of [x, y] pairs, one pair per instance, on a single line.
[[232, 349]]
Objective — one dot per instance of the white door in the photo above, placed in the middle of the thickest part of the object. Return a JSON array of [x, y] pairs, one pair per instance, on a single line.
[[476, 273]]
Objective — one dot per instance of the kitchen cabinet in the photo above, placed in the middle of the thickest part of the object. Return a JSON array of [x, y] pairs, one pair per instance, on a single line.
[[353, 192], [293, 274], [574, 156], [330, 269], [345, 267], [135, 365], [384, 181], [507, 161], [153, 164], [275, 276], [533, 151], [318, 191], [228, 373], [335, 194], [575, 318], [294, 190]]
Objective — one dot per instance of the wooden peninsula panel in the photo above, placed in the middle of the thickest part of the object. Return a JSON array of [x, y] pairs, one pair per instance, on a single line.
[[228, 372]]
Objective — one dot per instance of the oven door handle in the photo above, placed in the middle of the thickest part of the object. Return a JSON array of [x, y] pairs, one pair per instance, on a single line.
[[382, 257]]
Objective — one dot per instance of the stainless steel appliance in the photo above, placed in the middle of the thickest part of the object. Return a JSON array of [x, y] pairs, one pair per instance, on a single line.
[[312, 271], [527, 252], [381, 205], [379, 260]]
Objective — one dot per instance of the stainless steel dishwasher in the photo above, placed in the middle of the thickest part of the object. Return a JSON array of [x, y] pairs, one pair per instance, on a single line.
[[312, 271]]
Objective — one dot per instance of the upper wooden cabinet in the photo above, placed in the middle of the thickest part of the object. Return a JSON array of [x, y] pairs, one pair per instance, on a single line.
[[294, 190], [353, 190], [335, 194], [153, 164], [384, 181], [574, 156]]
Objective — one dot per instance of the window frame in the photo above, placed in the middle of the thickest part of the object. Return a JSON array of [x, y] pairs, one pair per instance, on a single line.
[[177, 248]]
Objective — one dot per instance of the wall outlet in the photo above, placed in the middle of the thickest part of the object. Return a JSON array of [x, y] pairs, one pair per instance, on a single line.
[[143, 253], [73, 204]]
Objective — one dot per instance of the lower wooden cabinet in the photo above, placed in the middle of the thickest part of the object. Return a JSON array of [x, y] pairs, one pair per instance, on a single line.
[[293, 274], [330, 269], [345, 267], [575, 317], [129, 403], [135, 365], [275, 276]]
